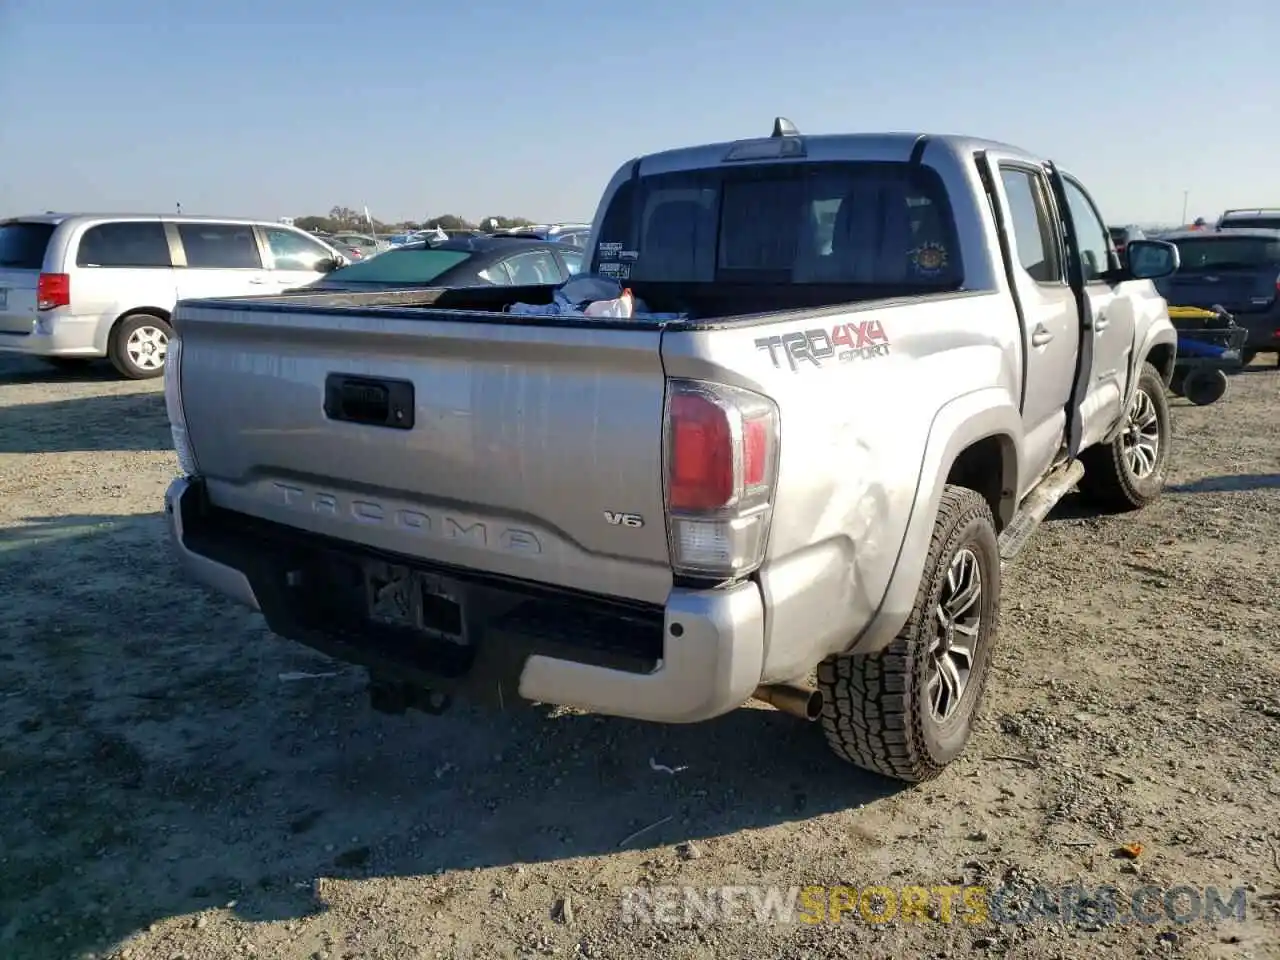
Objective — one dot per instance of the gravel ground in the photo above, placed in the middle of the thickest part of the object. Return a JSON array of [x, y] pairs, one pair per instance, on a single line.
[[167, 793]]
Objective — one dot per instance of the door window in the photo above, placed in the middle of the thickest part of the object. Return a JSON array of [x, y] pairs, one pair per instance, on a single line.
[[532, 268], [496, 274], [136, 244], [291, 250], [1034, 240], [572, 261], [1091, 232], [220, 246]]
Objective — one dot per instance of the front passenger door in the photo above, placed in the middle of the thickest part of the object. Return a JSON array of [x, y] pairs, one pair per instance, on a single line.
[[295, 257], [1109, 318]]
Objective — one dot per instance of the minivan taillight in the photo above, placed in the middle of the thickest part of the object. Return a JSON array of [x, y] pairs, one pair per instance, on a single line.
[[721, 463], [53, 290]]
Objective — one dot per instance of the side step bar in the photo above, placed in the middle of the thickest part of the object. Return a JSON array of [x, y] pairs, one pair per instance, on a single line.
[[1056, 484]]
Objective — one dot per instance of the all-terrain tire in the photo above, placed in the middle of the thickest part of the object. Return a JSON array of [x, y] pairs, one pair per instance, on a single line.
[[1109, 479], [876, 710], [125, 348]]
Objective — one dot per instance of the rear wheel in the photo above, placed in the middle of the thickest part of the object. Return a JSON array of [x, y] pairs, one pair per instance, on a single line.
[[1129, 472], [1248, 356], [908, 712], [139, 345]]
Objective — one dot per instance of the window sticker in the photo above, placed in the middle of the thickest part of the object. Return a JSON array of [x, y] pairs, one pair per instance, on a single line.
[[930, 259]]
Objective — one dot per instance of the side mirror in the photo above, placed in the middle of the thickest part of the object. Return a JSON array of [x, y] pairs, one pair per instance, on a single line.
[[328, 265], [1151, 259]]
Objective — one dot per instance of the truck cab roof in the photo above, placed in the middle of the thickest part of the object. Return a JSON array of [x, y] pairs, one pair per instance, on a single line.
[[839, 146]]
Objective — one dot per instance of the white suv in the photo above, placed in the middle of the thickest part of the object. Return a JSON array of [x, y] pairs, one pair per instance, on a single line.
[[77, 287]]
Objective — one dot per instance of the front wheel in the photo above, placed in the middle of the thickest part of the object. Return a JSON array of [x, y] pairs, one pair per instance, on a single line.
[[1129, 472], [139, 345], [908, 712]]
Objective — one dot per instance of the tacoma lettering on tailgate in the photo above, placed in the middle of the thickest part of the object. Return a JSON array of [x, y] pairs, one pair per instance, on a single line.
[[439, 526], [845, 343]]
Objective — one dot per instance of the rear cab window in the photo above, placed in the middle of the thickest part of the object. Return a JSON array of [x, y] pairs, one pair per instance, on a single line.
[[867, 224], [23, 244], [124, 244]]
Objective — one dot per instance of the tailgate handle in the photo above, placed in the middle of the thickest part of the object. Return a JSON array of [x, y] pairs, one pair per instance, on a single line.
[[370, 401]]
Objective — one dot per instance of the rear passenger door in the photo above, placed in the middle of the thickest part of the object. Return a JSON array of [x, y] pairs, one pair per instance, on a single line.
[[122, 265], [218, 260], [1050, 318]]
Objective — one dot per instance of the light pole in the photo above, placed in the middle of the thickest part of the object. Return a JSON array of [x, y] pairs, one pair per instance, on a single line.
[[1185, 195]]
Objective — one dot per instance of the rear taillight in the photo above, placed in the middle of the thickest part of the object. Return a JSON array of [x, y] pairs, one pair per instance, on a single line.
[[173, 405], [721, 459], [53, 290]]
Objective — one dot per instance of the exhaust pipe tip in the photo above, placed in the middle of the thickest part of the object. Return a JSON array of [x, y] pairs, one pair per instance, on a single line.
[[804, 703]]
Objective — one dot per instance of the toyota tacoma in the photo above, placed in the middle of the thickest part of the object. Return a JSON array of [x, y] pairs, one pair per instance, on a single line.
[[873, 365]]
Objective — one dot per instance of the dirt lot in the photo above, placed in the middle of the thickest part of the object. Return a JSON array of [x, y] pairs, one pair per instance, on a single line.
[[167, 793]]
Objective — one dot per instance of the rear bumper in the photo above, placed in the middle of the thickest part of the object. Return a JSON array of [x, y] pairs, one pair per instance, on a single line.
[[55, 336], [697, 657], [1264, 330]]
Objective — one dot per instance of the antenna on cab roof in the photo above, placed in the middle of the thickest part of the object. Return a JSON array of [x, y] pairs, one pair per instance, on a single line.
[[782, 127]]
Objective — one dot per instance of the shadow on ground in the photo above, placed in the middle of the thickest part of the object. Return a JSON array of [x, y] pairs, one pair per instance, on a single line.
[[156, 763], [113, 421], [1237, 483], [25, 370]]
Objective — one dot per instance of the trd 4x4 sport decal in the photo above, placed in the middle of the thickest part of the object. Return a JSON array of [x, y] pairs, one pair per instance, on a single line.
[[845, 343]]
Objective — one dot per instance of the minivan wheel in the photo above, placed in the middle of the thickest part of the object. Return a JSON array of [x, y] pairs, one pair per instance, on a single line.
[[1129, 472], [909, 711], [139, 345]]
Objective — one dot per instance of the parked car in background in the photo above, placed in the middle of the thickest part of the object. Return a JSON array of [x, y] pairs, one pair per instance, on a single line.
[[575, 235], [77, 287], [1120, 237], [367, 245], [1237, 269], [474, 262], [349, 252], [1267, 218]]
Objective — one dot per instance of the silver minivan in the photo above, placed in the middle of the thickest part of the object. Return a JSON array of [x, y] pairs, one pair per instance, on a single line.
[[77, 287]]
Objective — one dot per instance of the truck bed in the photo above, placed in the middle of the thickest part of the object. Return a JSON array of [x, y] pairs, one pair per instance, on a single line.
[[701, 303]]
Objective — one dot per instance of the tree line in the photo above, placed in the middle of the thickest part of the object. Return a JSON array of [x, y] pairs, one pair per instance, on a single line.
[[345, 218]]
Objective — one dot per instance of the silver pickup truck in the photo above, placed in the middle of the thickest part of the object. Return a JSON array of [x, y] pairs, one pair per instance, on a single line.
[[894, 354]]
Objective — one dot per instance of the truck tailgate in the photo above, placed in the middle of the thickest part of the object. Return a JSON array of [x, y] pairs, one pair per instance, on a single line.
[[525, 440]]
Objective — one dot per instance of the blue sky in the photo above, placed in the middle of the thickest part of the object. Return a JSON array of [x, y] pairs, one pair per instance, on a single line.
[[421, 107]]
